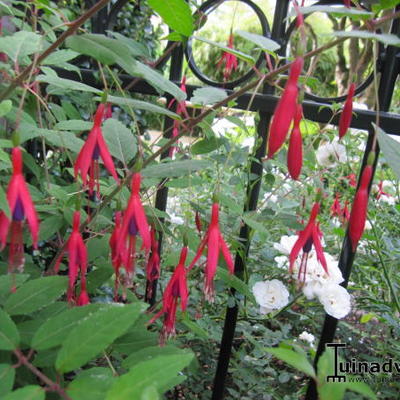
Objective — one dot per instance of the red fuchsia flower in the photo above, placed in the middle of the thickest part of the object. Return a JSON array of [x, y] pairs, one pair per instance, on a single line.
[[299, 18], [77, 263], [295, 151], [22, 208], [336, 208], [358, 213], [311, 235], [181, 110], [345, 212], [381, 192], [215, 243], [117, 257], [153, 263], [134, 221], [352, 179], [95, 147], [175, 290], [230, 60], [347, 113], [285, 110]]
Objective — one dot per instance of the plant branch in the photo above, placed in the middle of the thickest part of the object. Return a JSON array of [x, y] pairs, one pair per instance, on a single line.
[[73, 27]]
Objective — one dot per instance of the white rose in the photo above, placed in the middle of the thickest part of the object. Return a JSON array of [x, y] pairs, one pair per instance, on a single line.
[[286, 244], [282, 261], [336, 300], [176, 220], [270, 295], [329, 154], [307, 337]]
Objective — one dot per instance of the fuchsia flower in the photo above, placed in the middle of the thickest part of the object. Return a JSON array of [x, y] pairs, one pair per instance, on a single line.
[[295, 151], [153, 263], [134, 221], [77, 263], [336, 209], [175, 290], [215, 243], [117, 257], [309, 236], [22, 208], [358, 213], [352, 179], [95, 147], [285, 110], [381, 192], [230, 60], [347, 113], [345, 211]]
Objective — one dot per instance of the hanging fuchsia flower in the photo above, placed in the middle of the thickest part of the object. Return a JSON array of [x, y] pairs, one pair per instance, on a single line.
[[285, 110], [153, 263], [230, 60], [175, 290], [345, 212], [381, 192], [336, 209], [358, 213], [347, 113], [215, 243], [351, 179], [310, 236], [22, 208], [94, 148], [77, 263], [134, 222], [295, 151], [117, 257], [181, 110]]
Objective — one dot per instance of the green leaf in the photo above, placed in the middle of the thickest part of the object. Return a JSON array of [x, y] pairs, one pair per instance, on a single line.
[[137, 49], [208, 96], [29, 392], [385, 38], [261, 41], [194, 327], [55, 330], [91, 384], [94, 334], [20, 44], [253, 224], [136, 340], [160, 372], [206, 145], [140, 105], [36, 294], [9, 336], [4, 203], [5, 107], [176, 14], [49, 226], [7, 376], [8, 281], [362, 388], [294, 359], [236, 283], [150, 393], [390, 149], [174, 168], [65, 140], [337, 10], [74, 125], [67, 84], [245, 57], [60, 57], [120, 140]]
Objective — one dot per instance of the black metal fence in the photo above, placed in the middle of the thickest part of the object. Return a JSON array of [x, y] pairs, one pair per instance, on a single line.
[[388, 64]]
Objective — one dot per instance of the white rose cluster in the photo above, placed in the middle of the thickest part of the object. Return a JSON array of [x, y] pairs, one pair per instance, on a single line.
[[270, 295], [329, 154], [317, 283]]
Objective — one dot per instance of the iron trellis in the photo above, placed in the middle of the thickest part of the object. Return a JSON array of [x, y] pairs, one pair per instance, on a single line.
[[264, 103]]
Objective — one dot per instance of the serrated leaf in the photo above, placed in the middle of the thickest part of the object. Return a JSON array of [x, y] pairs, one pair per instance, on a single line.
[[9, 336], [174, 168], [30, 392], [120, 140], [91, 384], [294, 359], [35, 294], [245, 57], [55, 330], [176, 14], [7, 376], [390, 149], [20, 44], [160, 372], [60, 57], [206, 145], [385, 38], [140, 105], [67, 84], [94, 334], [208, 96], [261, 41]]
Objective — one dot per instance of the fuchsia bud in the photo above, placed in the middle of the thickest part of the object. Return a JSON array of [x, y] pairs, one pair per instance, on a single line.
[[153, 263], [285, 110], [295, 151], [215, 243], [358, 213], [347, 113]]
